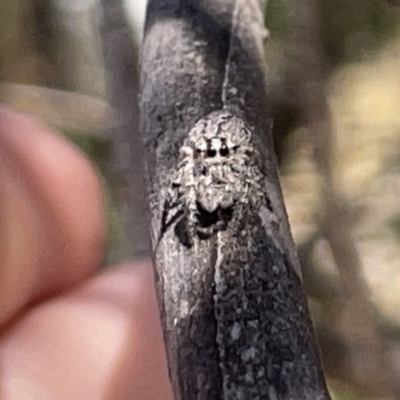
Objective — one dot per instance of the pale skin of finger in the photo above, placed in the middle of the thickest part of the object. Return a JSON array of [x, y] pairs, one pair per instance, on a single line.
[[51, 213], [102, 341]]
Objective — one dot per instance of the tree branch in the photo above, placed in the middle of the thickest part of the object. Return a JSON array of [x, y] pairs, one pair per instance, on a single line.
[[235, 318]]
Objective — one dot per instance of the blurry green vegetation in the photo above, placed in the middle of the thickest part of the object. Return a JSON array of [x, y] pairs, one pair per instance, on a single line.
[[98, 149], [9, 31], [394, 224], [351, 30], [354, 30], [100, 152], [278, 17]]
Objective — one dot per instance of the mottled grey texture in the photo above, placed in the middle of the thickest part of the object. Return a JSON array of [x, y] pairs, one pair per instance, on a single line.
[[235, 319], [218, 173]]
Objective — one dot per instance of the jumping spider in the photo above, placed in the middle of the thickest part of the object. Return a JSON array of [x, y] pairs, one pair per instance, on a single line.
[[216, 174]]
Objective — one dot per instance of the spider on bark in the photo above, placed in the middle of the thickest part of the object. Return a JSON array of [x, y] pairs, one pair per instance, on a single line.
[[217, 173]]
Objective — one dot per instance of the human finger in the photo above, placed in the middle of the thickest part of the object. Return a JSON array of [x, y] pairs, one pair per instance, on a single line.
[[51, 213], [102, 341]]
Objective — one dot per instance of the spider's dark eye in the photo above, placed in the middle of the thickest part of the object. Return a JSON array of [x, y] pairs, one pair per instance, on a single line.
[[211, 153], [198, 151], [224, 151]]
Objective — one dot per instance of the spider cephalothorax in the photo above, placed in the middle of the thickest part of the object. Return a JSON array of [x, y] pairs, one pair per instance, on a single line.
[[216, 172]]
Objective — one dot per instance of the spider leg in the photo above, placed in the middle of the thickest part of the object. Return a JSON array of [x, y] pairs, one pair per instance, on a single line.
[[165, 223]]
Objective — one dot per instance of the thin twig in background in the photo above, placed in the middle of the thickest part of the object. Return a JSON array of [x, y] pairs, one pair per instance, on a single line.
[[121, 62], [355, 321]]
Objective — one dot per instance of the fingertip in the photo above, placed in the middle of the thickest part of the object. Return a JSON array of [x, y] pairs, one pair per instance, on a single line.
[[105, 334], [51, 216]]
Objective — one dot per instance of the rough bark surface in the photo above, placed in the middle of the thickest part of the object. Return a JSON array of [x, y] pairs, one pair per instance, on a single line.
[[235, 318]]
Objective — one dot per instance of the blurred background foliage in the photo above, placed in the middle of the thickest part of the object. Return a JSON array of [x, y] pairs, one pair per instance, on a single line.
[[334, 82]]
